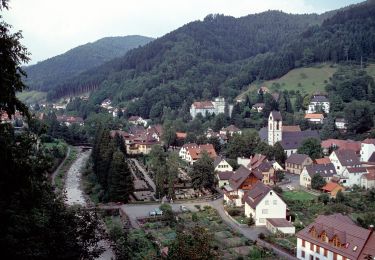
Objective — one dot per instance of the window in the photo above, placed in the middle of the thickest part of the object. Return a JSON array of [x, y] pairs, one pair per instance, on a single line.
[[316, 258], [325, 252], [311, 257], [303, 243], [317, 249], [311, 246], [264, 211], [267, 202], [303, 254]]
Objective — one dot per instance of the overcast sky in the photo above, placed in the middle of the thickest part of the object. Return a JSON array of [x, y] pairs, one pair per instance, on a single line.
[[51, 27]]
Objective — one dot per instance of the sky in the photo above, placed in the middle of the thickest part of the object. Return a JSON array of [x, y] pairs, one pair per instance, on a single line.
[[52, 27]]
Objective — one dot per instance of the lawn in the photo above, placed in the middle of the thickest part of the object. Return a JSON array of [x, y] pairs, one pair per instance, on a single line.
[[306, 80], [298, 195]]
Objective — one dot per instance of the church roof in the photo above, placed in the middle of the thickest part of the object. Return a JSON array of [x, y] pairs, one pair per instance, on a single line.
[[276, 115]]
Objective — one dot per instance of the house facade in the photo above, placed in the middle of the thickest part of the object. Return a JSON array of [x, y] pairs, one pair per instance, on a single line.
[[262, 203], [343, 159], [327, 171], [352, 176], [296, 162], [334, 237], [318, 104], [209, 107], [368, 180], [221, 165], [367, 149]]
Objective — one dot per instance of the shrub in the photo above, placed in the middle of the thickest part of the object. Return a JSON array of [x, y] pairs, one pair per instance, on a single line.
[[233, 212], [278, 189], [198, 207], [250, 221], [194, 217], [261, 236]]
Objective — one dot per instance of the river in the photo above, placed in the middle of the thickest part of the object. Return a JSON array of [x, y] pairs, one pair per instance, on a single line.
[[76, 196]]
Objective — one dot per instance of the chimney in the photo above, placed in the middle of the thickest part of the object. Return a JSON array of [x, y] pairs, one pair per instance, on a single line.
[[371, 228]]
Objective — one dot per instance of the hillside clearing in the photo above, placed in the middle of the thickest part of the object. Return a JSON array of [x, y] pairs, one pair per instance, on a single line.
[[31, 97]]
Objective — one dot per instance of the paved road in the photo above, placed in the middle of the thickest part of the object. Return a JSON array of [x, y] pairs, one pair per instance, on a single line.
[[145, 174], [294, 181]]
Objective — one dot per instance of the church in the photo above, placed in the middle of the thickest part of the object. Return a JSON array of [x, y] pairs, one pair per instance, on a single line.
[[290, 137]]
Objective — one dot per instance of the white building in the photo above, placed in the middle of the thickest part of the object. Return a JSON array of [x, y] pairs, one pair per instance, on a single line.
[[221, 165], [275, 126], [341, 124], [368, 180], [137, 120], [367, 149], [343, 159], [183, 151], [315, 118], [318, 104], [334, 237], [262, 203], [352, 176], [327, 171], [209, 107]]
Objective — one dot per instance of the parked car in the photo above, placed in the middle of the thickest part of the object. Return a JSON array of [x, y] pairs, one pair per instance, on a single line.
[[184, 208], [290, 187]]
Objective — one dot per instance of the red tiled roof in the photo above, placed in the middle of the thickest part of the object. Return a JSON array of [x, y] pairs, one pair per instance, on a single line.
[[354, 239], [279, 222], [324, 160], [330, 186], [342, 144], [224, 176], [369, 141], [291, 128], [181, 135], [256, 193], [203, 105], [314, 116]]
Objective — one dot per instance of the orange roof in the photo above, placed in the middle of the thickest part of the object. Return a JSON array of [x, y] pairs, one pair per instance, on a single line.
[[203, 105], [181, 135], [291, 128], [324, 160], [342, 144], [196, 152], [330, 186], [314, 116]]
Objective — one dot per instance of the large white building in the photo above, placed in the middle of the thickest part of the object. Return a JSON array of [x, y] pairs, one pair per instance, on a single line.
[[335, 237], [209, 107], [343, 159], [318, 104], [367, 149], [262, 202]]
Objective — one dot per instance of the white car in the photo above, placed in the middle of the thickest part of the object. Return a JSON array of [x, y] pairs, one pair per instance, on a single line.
[[184, 208], [290, 187]]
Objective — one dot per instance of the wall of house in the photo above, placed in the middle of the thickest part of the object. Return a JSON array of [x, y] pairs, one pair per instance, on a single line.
[[270, 207], [339, 168], [311, 250], [284, 230], [305, 179], [223, 166], [290, 152], [352, 178], [366, 151]]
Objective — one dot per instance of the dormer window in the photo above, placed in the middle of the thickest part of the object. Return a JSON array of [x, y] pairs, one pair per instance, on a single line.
[[324, 237], [336, 241]]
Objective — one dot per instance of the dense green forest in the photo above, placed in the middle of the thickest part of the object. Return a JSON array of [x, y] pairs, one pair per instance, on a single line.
[[221, 55], [47, 74]]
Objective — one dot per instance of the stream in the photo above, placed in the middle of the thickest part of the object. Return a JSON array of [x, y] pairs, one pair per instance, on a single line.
[[76, 196]]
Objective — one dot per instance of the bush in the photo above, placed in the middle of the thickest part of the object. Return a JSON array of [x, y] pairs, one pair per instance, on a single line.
[[261, 236], [250, 221], [233, 212], [194, 217], [278, 189], [324, 198], [198, 207]]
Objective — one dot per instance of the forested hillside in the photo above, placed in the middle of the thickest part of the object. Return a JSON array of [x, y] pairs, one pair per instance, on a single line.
[[221, 55], [47, 74]]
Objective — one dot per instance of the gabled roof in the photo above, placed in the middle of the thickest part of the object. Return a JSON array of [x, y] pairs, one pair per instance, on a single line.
[[291, 128], [369, 141], [356, 170], [353, 237], [265, 166], [293, 140], [255, 195], [342, 144], [347, 157], [224, 176], [256, 160], [279, 222], [189, 145], [218, 160], [240, 175], [319, 99], [260, 105], [324, 170], [203, 105], [276, 115], [369, 176], [181, 135], [330, 186], [372, 158], [231, 128], [296, 158]]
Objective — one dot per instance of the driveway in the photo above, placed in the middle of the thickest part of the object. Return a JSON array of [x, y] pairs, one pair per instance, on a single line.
[[294, 181]]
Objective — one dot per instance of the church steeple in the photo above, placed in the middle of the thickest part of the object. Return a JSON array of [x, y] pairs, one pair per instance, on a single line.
[[275, 126]]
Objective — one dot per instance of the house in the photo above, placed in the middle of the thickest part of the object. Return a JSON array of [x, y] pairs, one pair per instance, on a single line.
[[282, 225], [69, 120], [221, 165], [315, 118], [296, 162], [210, 107], [341, 124], [368, 180], [352, 176], [318, 104], [290, 137], [343, 159], [263, 89], [337, 144], [327, 171], [258, 107], [223, 178], [240, 182], [267, 171], [334, 237], [230, 130], [181, 136], [137, 120], [332, 188], [184, 148], [106, 103], [367, 149], [193, 153], [156, 131], [262, 166], [263, 203]]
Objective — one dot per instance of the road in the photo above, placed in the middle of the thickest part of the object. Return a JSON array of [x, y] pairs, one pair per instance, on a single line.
[[58, 168], [145, 174], [294, 181]]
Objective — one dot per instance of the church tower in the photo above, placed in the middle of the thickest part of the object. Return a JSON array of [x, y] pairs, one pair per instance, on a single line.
[[275, 126]]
